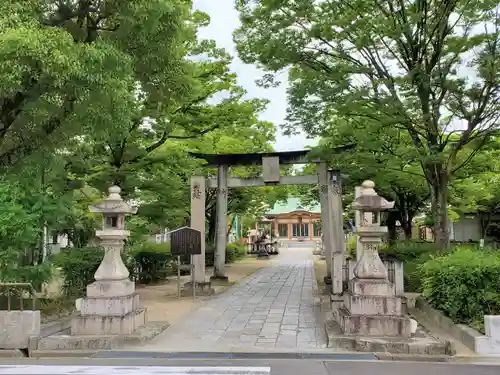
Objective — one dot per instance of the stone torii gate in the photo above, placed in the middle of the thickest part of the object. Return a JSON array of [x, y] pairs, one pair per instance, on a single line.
[[330, 198]]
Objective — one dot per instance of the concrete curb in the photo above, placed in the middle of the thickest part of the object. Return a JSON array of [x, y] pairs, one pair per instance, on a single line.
[[460, 332], [412, 357]]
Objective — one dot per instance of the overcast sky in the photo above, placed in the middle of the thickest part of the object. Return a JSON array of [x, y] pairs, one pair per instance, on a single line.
[[224, 20]]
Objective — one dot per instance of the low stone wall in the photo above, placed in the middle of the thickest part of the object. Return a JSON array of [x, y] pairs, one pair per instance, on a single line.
[[460, 332], [18, 327], [490, 342]]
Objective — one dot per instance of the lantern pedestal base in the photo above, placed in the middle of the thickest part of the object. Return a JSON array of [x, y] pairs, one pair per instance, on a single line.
[[108, 325], [371, 308], [373, 325], [110, 288], [109, 306]]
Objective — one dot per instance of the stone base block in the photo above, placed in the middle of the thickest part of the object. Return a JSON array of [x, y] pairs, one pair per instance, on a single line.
[[374, 325], [202, 289], [422, 344], [371, 287], [219, 279], [114, 288], [109, 306], [60, 344], [108, 325], [17, 327], [373, 305], [489, 343]]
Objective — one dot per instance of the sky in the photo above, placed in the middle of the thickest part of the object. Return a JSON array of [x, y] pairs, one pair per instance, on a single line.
[[224, 20]]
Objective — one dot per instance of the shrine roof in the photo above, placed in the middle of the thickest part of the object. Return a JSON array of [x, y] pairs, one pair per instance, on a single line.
[[292, 204]]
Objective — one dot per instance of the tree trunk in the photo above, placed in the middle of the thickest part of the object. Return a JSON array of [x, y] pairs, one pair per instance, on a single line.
[[439, 205], [391, 225], [230, 228], [406, 224], [211, 228]]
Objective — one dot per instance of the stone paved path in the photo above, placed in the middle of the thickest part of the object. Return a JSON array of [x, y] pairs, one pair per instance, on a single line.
[[273, 308]]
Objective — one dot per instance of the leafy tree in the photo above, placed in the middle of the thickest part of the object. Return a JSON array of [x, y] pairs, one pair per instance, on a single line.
[[476, 189], [385, 156], [426, 68]]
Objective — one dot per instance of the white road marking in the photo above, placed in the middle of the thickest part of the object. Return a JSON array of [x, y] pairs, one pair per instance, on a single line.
[[130, 370]]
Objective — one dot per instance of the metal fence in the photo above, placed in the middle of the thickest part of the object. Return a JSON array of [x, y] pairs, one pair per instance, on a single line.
[[18, 289]]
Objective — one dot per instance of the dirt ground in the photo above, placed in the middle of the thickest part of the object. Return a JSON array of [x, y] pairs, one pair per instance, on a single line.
[[162, 301]]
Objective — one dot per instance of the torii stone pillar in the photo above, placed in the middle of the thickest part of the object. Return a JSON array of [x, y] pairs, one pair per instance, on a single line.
[[112, 305], [198, 197], [221, 226], [324, 178], [337, 218]]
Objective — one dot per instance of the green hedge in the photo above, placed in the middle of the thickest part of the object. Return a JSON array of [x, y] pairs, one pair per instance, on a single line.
[[464, 284], [413, 254], [234, 251], [78, 267], [153, 262]]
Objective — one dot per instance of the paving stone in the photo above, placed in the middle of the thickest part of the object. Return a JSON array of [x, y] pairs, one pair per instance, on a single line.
[[275, 307]]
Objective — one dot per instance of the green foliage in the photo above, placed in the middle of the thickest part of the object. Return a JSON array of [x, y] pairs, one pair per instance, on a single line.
[[351, 246], [153, 262], [386, 73], [464, 284], [235, 251], [412, 254], [408, 250], [78, 266], [19, 234]]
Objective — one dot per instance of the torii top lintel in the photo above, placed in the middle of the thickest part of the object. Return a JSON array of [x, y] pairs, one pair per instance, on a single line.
[[285, 157]]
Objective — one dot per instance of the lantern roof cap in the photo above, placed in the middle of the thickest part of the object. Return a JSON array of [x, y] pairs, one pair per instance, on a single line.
[[113, 204], [369, 200]]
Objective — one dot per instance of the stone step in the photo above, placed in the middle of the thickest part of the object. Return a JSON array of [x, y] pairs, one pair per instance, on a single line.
[[71, 344], [108, 325]]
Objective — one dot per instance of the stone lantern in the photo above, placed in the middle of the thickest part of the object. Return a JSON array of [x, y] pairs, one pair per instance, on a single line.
[[112, 305], [112, 236], [370, 232], [370, 306]]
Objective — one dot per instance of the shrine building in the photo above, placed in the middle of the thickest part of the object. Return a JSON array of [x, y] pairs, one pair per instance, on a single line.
[[292, 221]]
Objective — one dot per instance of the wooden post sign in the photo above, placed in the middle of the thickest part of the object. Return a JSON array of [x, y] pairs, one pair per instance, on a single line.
[[185, 241]]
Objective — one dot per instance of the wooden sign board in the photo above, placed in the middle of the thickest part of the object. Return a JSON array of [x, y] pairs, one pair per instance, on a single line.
[[185, 241]]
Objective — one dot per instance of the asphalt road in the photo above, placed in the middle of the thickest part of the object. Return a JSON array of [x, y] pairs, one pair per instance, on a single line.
[[162, 366]]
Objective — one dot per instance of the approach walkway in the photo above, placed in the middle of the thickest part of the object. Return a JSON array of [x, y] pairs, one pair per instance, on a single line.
[[275, 308]]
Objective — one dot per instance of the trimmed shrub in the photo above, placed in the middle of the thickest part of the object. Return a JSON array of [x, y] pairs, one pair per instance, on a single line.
[[234, 251], [153, 262], [413, 254], [464, 284], [78, 267]]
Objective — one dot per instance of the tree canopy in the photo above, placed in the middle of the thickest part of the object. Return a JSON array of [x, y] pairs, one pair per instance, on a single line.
[[429, 69]]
